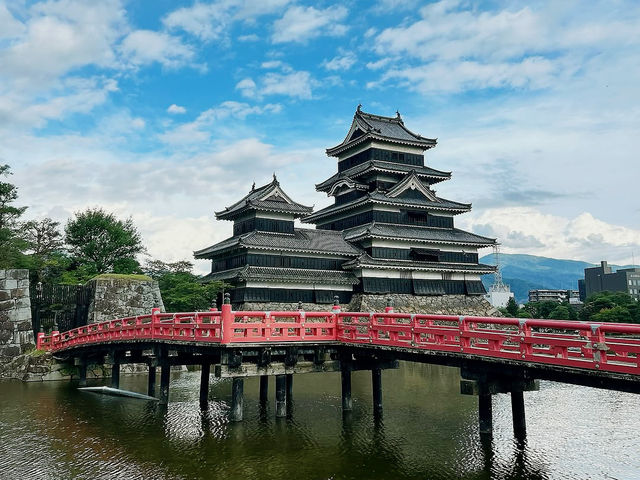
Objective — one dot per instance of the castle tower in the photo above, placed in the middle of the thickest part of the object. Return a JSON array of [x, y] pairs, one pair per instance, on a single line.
[[385, 205]]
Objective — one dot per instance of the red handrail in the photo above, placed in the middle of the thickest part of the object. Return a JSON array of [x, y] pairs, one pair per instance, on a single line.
[[608, 347]]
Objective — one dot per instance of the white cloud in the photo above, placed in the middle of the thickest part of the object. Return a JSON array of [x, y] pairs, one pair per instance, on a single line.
[[247, 87], [201, 129], [84, 33], [458, 47], [147, 46], [341, 62], [176, 109], [11, 27], [252, 37], [300, 24], [529, 230], [211, 21], [295, 84]]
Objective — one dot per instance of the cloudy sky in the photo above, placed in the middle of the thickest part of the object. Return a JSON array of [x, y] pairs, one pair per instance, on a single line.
[[168, 111]]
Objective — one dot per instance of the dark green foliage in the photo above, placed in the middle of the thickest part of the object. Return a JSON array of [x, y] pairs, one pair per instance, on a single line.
[[101, 243], [45, 248], [181, 290], [11, 243], [512, 308], [539, 309], [611, 307]]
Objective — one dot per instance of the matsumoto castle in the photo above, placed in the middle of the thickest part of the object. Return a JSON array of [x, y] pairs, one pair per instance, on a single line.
[[386, 234]]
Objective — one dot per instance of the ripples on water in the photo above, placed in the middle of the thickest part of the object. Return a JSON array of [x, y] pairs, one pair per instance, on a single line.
[[429, 431]]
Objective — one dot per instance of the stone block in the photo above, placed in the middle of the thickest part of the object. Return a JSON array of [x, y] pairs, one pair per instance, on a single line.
[[25, 337], [23, 283], [19, 292], [5, 335], [18, 274], [3, 274], [21, 314], [23, 303], [25, 326], [7, 305], [8, 284], [5, 295], [10, 351]]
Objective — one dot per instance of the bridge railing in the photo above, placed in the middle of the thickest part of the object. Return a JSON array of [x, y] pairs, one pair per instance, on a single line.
[[610, 347]]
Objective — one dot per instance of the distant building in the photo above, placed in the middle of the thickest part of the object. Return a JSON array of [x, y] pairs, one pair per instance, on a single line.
[[603, 278], [543, 295]]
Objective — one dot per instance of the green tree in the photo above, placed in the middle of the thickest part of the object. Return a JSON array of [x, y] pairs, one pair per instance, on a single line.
[[181, 289], [561, 312], [610, 307], [539, 309], [101, 243], [45, 247], [11, 243], [512, 308]]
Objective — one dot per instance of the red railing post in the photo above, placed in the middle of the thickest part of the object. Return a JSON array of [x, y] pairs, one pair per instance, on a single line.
[[154, 321], [389, 307], [226, 320], [39, 339]]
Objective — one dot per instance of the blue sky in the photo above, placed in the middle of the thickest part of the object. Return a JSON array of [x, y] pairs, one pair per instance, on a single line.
[[166, 111]]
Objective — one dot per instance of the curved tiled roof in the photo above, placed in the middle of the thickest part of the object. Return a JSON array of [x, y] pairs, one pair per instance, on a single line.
[[269, 197], [302, 240], [409, 233], [379, 197], [382, 166], [377, 127], [366, 260], [289, 275]]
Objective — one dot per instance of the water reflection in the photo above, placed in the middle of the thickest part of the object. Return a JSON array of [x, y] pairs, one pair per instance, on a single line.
[[428, 431]]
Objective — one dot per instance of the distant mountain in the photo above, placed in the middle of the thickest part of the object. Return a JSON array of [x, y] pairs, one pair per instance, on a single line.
[[528, 272]]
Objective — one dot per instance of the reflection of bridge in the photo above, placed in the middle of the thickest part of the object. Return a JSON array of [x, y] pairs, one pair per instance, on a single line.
[[495, 355]]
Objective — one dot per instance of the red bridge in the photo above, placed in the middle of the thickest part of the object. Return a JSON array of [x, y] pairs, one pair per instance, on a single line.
[[495, 355]]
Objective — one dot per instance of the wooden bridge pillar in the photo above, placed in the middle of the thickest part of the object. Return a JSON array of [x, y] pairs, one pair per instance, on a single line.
[[115, 371], [376, 382], [81, 363], [281, 396], [151, 380], [204, 384], [165, 376], [237, 399], [517, 412], [264, 389], [485, 385], [347, 401]]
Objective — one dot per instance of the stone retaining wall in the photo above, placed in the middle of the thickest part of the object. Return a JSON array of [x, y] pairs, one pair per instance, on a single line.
[[16, 331], [123, 297], [444, 304]]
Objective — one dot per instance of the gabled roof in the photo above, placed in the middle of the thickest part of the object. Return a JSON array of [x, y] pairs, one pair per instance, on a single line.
[[269, 197], [378, 197], [285, 275], [412, 182], [432, 174], [365, 260], [414, 233], [367, 126], [303, 240]]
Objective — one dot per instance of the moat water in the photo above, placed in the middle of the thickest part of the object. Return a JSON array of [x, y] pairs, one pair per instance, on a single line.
[[429, 431]]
